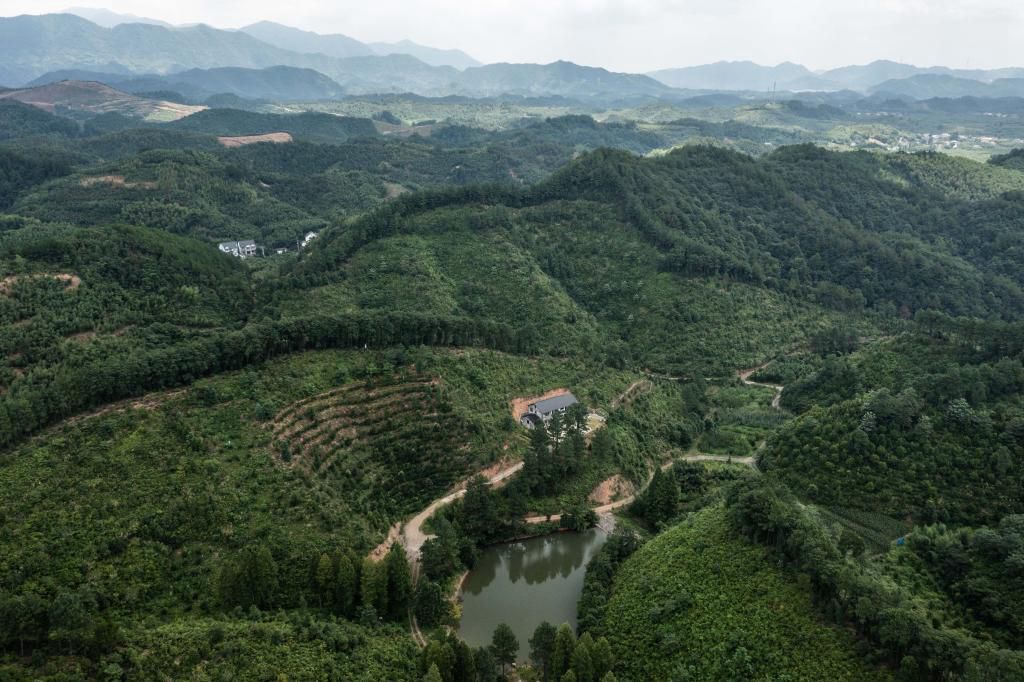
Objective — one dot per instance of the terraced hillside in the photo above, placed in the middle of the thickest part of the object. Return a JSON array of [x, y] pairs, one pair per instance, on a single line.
[[396, 435]]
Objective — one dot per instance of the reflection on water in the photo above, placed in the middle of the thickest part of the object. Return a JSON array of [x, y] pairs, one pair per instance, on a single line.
[[524, 584]]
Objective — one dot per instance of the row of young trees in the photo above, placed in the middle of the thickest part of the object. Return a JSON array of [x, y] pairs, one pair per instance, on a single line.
[[555, 654], [341, 582], [558, 656]]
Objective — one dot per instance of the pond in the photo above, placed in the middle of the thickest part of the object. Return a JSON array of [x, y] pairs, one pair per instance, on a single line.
[[525, 583]]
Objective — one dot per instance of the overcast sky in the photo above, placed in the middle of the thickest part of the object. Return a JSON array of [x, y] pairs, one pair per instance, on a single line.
[[636, 35]]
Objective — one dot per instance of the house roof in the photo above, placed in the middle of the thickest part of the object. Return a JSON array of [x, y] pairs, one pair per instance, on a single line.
[[246, 242], [556, 403]]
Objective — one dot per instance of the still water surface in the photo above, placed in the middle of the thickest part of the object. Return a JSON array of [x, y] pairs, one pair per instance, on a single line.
[[524, 584]]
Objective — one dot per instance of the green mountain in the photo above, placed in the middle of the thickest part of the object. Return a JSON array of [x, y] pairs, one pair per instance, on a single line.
[[276, 83]]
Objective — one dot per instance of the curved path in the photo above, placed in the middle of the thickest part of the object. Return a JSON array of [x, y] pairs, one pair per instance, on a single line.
[[745, 374], [412, 536], [607, 508]]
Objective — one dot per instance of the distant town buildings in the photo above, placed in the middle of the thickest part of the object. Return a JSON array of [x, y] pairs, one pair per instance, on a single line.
[[240, 249]]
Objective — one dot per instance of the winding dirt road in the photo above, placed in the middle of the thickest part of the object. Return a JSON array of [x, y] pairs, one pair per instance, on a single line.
[[412, 536], [617, 504], [745, 374]]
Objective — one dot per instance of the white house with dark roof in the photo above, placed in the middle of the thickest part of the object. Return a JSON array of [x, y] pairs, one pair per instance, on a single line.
[[542, 411]]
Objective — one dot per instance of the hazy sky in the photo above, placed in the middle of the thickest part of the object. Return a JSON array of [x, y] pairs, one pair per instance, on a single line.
[[636, 35]]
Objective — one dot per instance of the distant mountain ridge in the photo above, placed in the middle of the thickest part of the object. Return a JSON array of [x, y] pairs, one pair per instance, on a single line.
[[304, 42], [744, 75], [430, 55], [866, 78], [31, 46], [150, 54], [931, 85], [342, 46], [307, 42], [559, 78]]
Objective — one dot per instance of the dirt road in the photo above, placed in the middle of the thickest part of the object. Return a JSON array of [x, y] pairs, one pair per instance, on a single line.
[[745, 374], [608, 508], [411, 534]]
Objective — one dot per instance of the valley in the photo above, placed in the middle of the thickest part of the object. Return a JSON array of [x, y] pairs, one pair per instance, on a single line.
[[275, 305]]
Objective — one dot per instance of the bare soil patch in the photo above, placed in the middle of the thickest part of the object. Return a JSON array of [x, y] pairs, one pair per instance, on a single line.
[[394, 190], [72, 281], [116, 181], [241, 140], [612, 489]]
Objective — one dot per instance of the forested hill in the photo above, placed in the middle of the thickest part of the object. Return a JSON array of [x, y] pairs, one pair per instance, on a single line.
[[895, 234]]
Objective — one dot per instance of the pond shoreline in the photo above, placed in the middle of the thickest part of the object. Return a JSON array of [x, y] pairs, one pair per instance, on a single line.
[[523, 581]]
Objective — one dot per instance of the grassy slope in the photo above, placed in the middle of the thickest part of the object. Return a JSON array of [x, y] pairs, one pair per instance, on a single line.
[[698, 603]]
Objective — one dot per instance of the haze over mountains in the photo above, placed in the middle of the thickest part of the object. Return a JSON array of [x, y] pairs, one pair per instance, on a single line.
[[266, 60]]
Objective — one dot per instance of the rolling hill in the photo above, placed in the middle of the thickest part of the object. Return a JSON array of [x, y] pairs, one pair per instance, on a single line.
[[933, 85], [277, 83], [742, 76], [82, 97], [558, 78]]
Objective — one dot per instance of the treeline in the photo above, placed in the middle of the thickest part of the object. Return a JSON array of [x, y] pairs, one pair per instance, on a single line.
[[51, 394], [556, 655], [340, 582], [19, 172], [914, 637], [600, 577], [986, 339], [81, 621]]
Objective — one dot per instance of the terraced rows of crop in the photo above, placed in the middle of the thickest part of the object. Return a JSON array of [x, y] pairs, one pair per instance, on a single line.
[[876, 530], [387, 448]]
